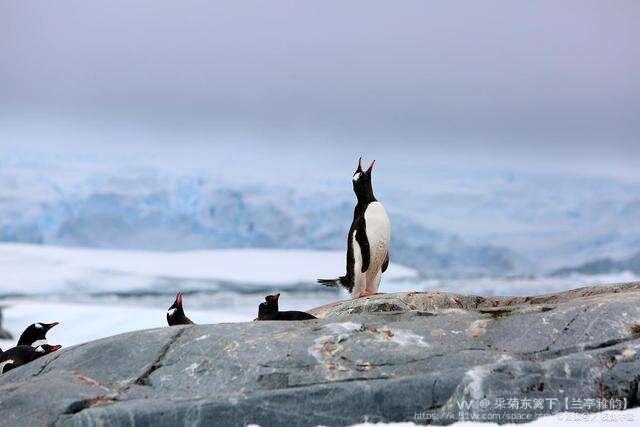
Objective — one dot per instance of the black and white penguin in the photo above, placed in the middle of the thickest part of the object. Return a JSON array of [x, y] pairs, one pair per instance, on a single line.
[[22, 354], [268, 310], [175, 314], [35, 334], [367, 242]]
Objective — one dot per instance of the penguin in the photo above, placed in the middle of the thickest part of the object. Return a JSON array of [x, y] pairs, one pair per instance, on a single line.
[[175, 314], [23, 354], [35, 334], [268, 310], [367, 242]]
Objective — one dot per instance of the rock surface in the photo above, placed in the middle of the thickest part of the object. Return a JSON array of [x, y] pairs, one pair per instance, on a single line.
[[382, 358]]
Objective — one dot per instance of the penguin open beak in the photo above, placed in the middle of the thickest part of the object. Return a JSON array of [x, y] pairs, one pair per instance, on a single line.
[[179, 299], [371, 166], [51, 325], [276, 296], [56, 347]]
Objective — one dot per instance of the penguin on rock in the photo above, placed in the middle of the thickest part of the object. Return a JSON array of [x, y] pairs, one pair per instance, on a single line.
[[35, 334], [268, 310], [23, 354], [367, 242], [175, 313]]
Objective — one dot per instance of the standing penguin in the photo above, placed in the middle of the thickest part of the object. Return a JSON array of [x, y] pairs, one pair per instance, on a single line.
[[35, 334], [175, 314], [367, 242]]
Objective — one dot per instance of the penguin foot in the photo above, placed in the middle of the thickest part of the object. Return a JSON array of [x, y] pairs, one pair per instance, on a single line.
[[367, 294]]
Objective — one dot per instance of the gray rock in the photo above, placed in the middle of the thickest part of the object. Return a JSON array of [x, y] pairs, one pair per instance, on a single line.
[[384, 358]]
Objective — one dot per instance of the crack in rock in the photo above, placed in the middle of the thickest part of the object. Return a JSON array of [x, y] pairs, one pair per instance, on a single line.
[[340, 381], [46, 364], [81, 405], [546, 354], [157, 364]]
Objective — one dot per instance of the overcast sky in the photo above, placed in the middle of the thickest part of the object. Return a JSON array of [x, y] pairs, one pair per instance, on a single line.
[[554, 81]]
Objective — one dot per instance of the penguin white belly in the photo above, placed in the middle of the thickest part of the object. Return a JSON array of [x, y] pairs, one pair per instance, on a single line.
[[38, 343], [5, 363], [378, 229]]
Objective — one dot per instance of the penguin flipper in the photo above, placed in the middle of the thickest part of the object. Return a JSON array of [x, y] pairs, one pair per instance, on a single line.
[[363, 242], [385, 264]]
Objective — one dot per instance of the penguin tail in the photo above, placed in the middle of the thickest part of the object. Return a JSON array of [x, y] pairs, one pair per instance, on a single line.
[[334, 283]]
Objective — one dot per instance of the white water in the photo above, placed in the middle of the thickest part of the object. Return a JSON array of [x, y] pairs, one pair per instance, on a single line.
[[96, 293]]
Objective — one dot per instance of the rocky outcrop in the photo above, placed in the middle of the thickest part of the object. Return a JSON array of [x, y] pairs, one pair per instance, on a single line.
[[424, 357]]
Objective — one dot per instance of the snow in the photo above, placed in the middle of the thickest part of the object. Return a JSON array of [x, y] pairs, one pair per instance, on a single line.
[[81, 322], [38, 269]]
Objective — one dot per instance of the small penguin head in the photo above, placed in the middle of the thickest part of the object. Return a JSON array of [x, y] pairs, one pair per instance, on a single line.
[[268, 309], [177, 304], [35, 334], [362, 182], [272, 299], [44, 327], [175, 311], [46, 349]]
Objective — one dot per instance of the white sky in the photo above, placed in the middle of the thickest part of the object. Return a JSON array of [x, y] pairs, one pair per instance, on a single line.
[[535, 85]]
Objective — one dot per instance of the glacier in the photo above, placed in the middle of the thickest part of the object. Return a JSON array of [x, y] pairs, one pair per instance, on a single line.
[[457, 223]]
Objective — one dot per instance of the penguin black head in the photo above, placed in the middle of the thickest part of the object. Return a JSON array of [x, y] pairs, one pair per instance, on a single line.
[[362, 183], [176, 308], [46, 349], [35, 334], [268, 309]]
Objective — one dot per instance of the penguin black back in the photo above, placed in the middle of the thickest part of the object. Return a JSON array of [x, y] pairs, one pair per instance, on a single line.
[[175, 314], [363, 189], [23, 354], [35, 334], [268, 310]]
